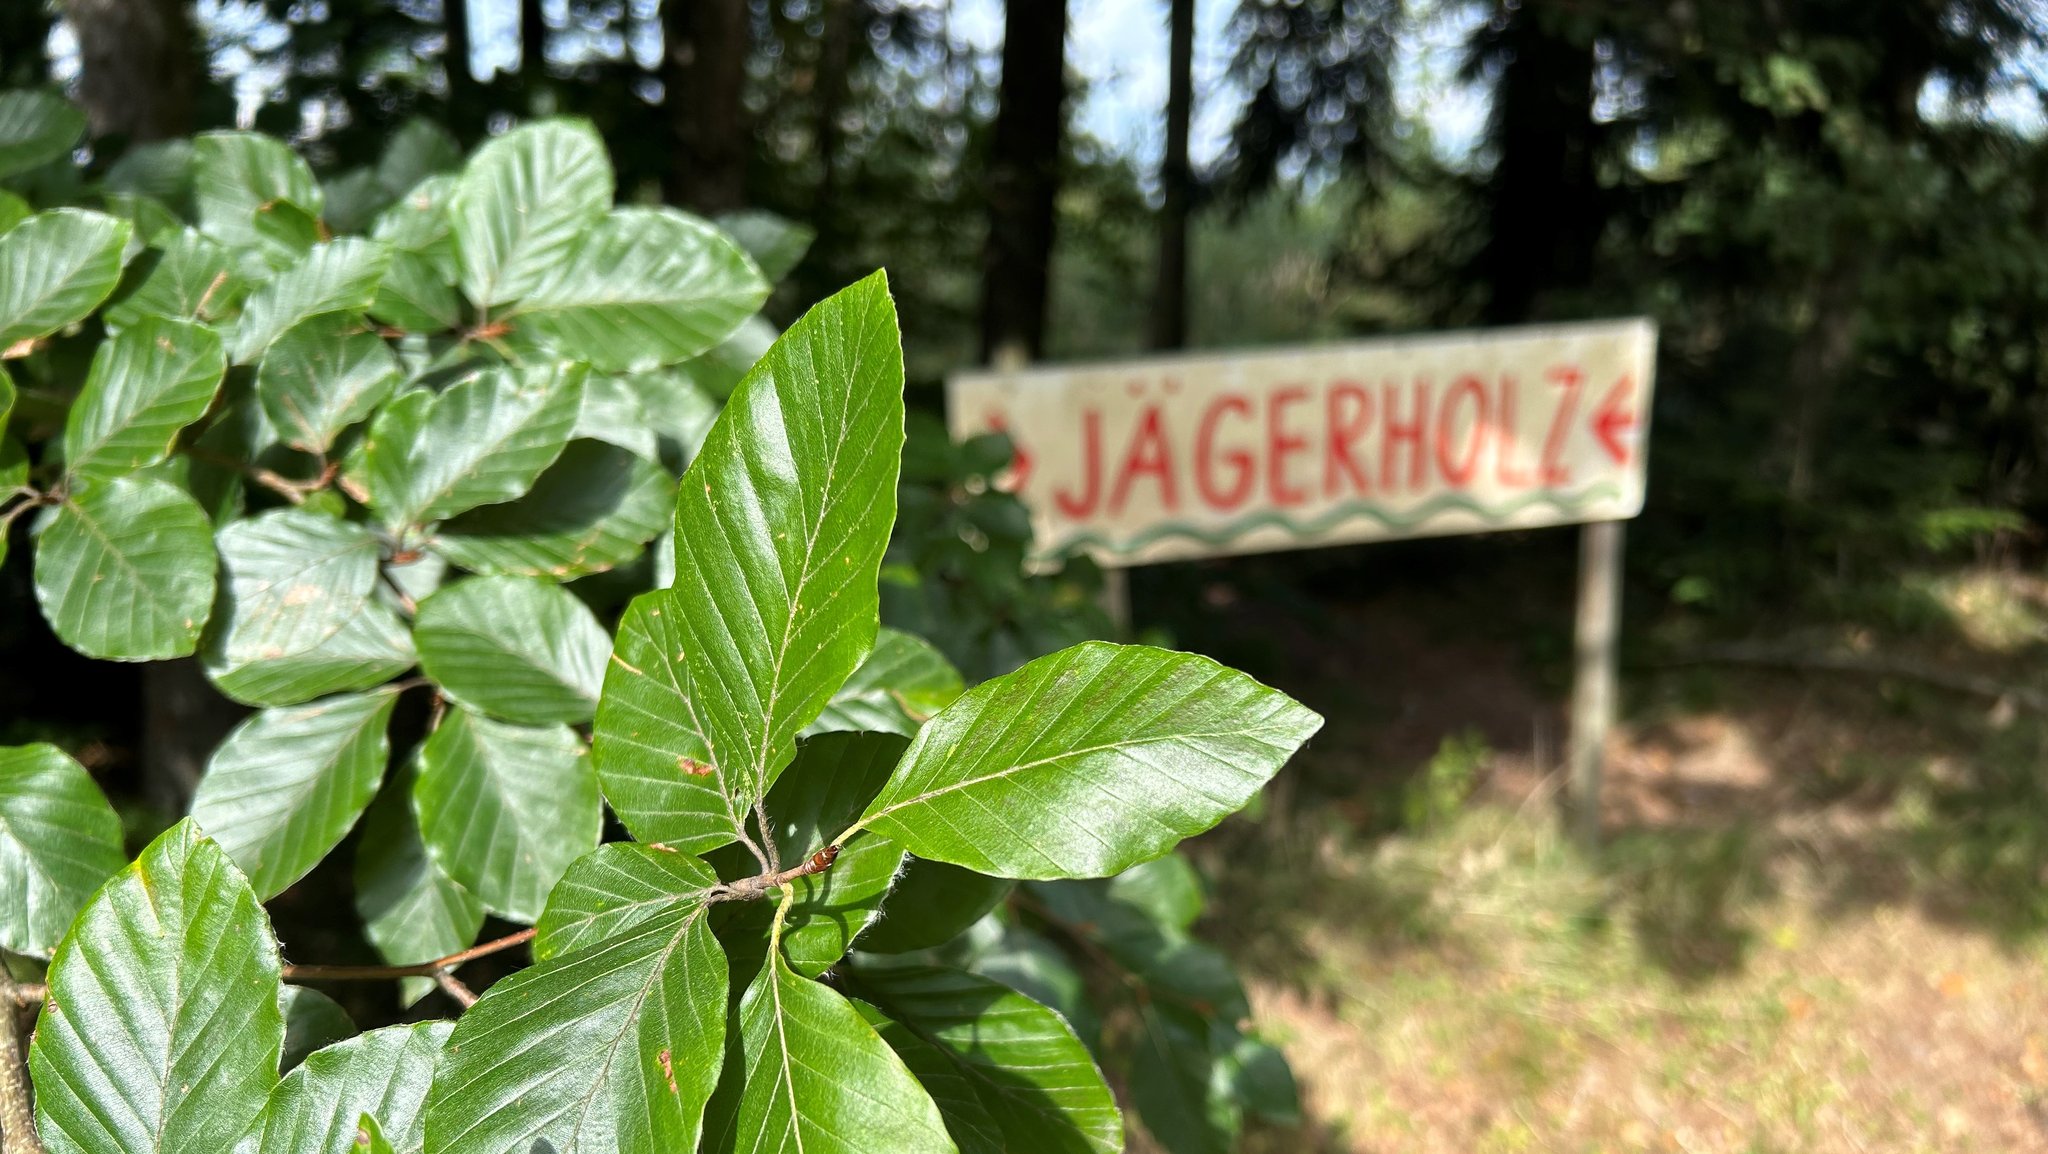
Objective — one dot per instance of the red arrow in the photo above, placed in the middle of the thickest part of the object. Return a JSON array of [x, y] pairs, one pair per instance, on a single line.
[[1613, 420]]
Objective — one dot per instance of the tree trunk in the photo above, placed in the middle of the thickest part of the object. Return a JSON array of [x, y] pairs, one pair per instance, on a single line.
[[1024, 180], [138, 67], [465, 95], [1546, 211], [835, 54], [704, 78], [1176, 181]]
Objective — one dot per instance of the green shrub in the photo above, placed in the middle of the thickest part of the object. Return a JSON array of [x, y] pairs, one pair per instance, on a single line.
[[341, 470]]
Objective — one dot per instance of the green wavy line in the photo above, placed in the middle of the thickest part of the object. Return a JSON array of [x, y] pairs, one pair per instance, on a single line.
[[1334, 517]]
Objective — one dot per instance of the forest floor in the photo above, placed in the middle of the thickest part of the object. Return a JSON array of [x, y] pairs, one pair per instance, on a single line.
[[1818, 922]]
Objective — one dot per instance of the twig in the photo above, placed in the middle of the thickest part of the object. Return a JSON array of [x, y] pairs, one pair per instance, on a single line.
[[433, 969], [747, 889], [28, 994], [283, 486], [17, 1115], [768, 835], [453, 987]]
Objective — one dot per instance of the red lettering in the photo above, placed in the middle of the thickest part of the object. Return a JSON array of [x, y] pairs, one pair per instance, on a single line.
[[1567, 378], [1504, 469], [1091, 457], [1346, 431], [1240, 462], [1395, 433], [1148, 455], [1280, 445], [1457, 471]]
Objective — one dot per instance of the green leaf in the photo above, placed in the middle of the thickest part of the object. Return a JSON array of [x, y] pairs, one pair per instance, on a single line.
[[1171, 963], [322, 376], [146, 384], [419, 149], [776, 243], [373, 647], [55, 268], [646, 287], [611, 1049], [13, 210], [505, 808], [485, 440], [124, 571], [612, 413], [1032, 1075], [418, 292], [1167, 890], [594, 509], [239, 178], [1180, 1094], [288, 784], [369, 1138], [162, 1030], [780, 526], [524, 203], [1087, 762], [294, 579], [1032, 965], [897, 689], [808, 1074], [826, 787], [514, 647], [338, 277], [353, 199], [614, 888], [188, 278], [930, 905], [679, 413], [311, 1020], [59, 839], [412, 912], [384, 1074], [967, 1120], [161, 170], [1264, 1082], [35, 129]]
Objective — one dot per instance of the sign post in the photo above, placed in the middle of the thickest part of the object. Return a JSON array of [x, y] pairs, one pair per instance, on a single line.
[[1212, 454]]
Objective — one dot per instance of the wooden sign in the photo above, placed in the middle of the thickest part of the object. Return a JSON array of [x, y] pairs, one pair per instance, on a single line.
[[1212, 454]]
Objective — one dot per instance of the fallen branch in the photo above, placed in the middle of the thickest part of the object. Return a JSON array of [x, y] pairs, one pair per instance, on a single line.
[[1774, 657]]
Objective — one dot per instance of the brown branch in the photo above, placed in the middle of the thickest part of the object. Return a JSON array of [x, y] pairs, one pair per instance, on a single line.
[[283, 486], [748, 889], [453, 987], [17, 1115], [26, 994], [433, 969]]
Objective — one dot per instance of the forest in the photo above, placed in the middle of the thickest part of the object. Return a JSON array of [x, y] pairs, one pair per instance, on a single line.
[[421, 423]]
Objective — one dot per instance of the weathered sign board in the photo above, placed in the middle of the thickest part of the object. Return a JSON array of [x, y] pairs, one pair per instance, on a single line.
[[1205, 455]]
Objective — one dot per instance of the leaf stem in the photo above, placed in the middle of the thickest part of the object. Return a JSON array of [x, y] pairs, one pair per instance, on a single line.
[[781, 914], [453, 987], [434, 969]]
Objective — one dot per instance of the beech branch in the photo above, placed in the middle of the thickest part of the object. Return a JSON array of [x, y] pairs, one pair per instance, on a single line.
[[759, 886], [434, 969], [17, 1115]]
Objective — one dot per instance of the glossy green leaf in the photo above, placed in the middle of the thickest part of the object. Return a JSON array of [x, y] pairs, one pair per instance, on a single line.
[[294, 579], [898, 688], [311, 1020], [189, 277], [780, 526], [1181, 1095], [505, 808], [338, 277], [412, 911], [486, 439], [419, 149], [385, 1073], [288, 784], [162, 1030], [322, 376], [806, 1073], [612, 413], [418, 291], [124, 571], [56, 267], [611, 1049], [1032, 1075], [1166, 889], [353, 199], [515, 647], [1032, 965], [776, 243], [59, 839], [645, 287], [594, 509], [1087, 762], [161, 169], [7, 396], [968, 1122], [614, 888], [930, 905], [35, 129], [825, 788], [146, 383], [240, 177], [371, 648], [524, 203]]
